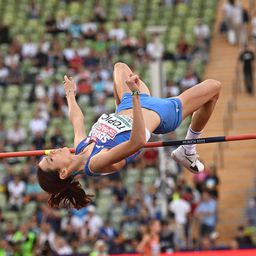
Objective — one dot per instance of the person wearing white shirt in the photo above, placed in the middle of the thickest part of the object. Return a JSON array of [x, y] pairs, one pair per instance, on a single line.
[[37, 124], [29, 49], [117, 33], [16, 135], [69, 52], [89, 26], [155, 48], [63, 23], [16, 190], [93, 221], [202, 31], [55, 88], [180, 208]]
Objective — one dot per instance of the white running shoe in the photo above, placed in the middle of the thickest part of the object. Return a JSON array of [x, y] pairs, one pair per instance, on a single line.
[[191, 162]]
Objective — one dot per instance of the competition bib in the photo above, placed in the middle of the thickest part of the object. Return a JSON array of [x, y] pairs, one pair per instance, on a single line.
[[109, 125]]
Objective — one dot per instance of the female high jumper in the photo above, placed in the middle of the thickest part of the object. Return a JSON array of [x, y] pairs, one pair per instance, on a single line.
[[116, 139]]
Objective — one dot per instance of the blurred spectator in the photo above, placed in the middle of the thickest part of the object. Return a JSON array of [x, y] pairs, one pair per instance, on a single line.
[[109, 88], [253, 28], [50, 25], [46, 235], [117, 33], [24, 240], [131, 210], [4, 33], [61, 247], [189, 80], [150, 243], [16, 135], [128, 44], [99, 12], [246, 64], [167, 235], [100, 249], [63, 22], [150, 156], [4, 73], [212, 181], [202, 32], [16, 189], [199, 180], [75, 28], [119, 190], [181, 209], [41, 58], [171, 89], [57, 139], [29, 49], [89, 29], [55, 89], [243, 240], [15, 75], [206, 213], [12, 57], [183, 49], [126, 10], [108, 233], [94, 221], [199, 51], [33, 11], [33, 190], [37, 124], [69, 51], [228, 9], [251, 211], [238, 23], [55, 56], [38, 141], [155, 48], [82, 49], [76, 62], [245, 25], [39, 89]]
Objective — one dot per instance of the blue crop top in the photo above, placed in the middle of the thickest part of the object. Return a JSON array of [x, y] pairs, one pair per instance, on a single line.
[[106, 134]]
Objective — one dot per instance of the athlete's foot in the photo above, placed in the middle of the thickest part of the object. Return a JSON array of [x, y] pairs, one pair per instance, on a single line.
[[191, 162]]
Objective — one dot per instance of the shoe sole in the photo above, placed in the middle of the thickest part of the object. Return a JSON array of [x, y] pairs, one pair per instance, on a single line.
[[180, 162]]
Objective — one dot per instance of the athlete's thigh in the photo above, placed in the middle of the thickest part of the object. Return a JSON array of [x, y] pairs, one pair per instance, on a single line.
[[121, 74], [195, 97]]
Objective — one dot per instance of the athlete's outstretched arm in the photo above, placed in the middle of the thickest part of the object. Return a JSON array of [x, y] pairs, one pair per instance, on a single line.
[[75, 114], [137, 139]]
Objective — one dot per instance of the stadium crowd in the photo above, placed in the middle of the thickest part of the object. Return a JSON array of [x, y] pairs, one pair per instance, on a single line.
[[131, 208]]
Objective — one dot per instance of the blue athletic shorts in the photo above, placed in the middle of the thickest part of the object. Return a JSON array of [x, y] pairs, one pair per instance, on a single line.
[[168, 109]]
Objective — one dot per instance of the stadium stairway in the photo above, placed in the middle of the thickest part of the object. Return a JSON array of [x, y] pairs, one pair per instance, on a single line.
[[237, 172]]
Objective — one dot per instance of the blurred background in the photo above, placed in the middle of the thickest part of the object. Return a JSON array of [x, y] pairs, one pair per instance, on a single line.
[[153, 206]]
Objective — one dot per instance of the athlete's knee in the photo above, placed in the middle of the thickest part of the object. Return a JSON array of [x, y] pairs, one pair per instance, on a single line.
[[120, 65], [215, 85]]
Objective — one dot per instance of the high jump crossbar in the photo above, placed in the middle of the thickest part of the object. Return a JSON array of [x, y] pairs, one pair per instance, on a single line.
[[155, 144]]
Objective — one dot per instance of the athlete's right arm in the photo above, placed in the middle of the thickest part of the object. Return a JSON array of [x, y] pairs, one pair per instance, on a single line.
[[75, 114]]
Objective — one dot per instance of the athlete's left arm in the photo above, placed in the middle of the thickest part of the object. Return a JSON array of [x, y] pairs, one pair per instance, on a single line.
[[75, 114]]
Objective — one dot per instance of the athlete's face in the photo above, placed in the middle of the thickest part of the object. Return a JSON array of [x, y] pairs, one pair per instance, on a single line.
[[57, 160]]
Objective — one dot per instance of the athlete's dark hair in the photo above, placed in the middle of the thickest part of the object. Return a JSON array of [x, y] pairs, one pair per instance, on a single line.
[[63, 193]]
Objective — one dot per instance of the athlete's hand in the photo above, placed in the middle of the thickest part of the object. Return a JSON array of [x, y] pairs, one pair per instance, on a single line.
[[133, 82], [69, 85]]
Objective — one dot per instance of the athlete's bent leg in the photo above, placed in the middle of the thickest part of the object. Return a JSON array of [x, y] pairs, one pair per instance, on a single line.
[[121, 74], [199, 100]]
